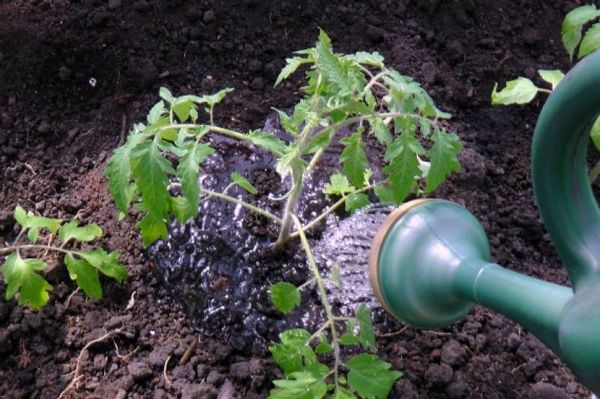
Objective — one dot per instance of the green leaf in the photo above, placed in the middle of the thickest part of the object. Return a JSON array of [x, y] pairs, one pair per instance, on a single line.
[[371, 377], [156, 112], [573, 24], [165, 94], [323, 346], [355, 201], [149, 171], [289, 353], [402, 171], [85, 275], [362, 57], [72, 230], [33, 224], [338, 185], [152, 229], [381, 131], [343, 393], [595, 133], [591, 41], [518, 91], [216, 98], [20, 275], [183, 211], [353, 158], [299, 385], [367, 336], [334, 70], [267, 141], [243, 183], [106, 262], [444, 158], [292, 64], [285, 296], [188, 174], [553, 77], [182, 108], [349, 337], [119, 173]]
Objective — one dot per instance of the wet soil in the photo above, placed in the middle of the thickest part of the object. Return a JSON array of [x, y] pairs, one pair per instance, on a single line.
[[74, 75]]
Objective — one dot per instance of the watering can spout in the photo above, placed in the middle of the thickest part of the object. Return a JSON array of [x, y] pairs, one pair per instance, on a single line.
[[430, 260]]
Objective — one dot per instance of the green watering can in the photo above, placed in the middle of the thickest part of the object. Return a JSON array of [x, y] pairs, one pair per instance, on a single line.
[[430, 260]]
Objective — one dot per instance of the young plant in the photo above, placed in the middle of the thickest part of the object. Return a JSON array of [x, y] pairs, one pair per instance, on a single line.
[[356, 91], [22, 274], [523, 90]]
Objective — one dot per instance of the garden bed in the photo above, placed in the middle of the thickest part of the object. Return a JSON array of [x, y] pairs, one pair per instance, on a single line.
[[74, 76]]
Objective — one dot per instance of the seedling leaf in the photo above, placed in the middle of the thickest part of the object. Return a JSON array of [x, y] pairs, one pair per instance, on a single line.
[[299, 385], [20, 276], [72, 230], [288, 354], [573, 24], [518, 91], [285, 296], [371, 377], [444, 158], [292, 64], [353, 158], [106, 262], [553, 77], [33, 224], [85, 274], [591, 41], [243, 183]]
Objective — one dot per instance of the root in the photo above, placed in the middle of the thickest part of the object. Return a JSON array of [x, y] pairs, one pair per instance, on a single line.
[[77, 376], [168, 382]]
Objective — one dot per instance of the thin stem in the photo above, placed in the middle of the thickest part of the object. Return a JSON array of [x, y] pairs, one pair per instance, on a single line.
[[306, 284], [544, 91], [323, 294], [595, 172], [317, 333], [35, 246], [242, 203], [374, 81]]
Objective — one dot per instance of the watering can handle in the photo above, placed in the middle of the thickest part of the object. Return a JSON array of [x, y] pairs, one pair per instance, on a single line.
[[562, 189]]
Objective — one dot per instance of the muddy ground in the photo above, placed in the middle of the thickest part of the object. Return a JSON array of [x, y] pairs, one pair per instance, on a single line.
[[74, 76]]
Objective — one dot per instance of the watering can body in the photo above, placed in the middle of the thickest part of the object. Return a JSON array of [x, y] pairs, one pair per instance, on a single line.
[[430, 260]]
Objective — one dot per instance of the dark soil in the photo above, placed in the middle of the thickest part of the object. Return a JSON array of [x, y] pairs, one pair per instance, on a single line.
[[74, 75]]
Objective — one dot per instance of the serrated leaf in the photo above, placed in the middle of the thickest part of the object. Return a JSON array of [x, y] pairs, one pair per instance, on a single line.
[[119, 173], [518, 91], [267, 141], [156, 112], [33, 224], [107, 263], [288, 354], [367, 336], [402, 171], [573, 24], [371, 377], [553, 77], [349, 337], [285, 297], [338, 185], [381, 131], [299, 385], [355, 201], [444, 158], [243, 183], [20, 276], [188, 173], [353, 159], [214, 99], [595, 133], [149, 170], [290, 162], [85, 275], [292, 64], [319, 141], [362, 57], [183, 209], [334, 70], [152, 229], [591, 41], [72, 230]]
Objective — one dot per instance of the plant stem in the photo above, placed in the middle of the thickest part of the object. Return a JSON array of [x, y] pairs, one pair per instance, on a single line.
[[35, 246], [595, 172], [323, 294], [246, 205]]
